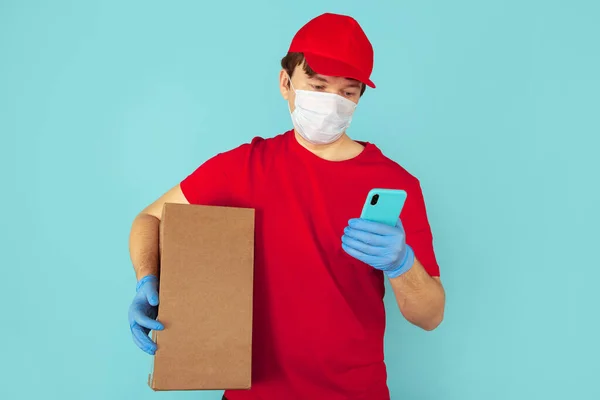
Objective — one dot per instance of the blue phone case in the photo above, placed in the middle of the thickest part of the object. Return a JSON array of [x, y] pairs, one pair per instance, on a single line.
[[387, 205]]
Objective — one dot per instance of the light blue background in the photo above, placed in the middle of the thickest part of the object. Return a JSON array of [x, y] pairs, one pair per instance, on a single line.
[[493, 105]]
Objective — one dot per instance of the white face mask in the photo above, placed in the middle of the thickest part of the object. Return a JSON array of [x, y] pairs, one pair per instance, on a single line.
[[319, 117]]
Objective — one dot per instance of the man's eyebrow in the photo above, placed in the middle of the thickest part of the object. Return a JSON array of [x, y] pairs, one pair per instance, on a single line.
[[319, 78], [353, 83]]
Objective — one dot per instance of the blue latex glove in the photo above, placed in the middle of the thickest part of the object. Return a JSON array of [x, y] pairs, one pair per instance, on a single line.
[[142, 313], [379, 245]]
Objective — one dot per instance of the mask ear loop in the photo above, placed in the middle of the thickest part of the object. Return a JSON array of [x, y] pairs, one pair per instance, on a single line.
[[290, 82], [293, 89]]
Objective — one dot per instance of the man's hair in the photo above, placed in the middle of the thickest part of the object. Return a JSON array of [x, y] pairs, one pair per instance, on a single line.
[[292, 60]]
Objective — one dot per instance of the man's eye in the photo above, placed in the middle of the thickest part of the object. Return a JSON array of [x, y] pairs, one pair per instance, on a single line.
[[350, 94], [318, 87]]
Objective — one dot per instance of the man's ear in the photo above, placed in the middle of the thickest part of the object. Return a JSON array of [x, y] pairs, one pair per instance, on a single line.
[[284, 84]]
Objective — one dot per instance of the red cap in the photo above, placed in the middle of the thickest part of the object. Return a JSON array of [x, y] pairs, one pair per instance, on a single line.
[[335, 45]]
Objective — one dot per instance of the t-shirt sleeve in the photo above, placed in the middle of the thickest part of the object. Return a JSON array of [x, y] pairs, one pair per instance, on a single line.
[[226, 179], [207, 184], [210, 183], [418, 232]]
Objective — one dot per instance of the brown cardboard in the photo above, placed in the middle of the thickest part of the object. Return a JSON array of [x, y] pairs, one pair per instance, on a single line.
[[205, 294]]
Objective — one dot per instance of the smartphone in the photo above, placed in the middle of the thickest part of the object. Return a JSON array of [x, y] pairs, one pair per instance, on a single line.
[[384, 205]]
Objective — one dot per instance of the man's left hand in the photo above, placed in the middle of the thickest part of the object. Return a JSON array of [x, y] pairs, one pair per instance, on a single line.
[[379, 245]]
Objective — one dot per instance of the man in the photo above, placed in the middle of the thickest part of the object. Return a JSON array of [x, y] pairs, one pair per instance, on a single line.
[[319, 316]]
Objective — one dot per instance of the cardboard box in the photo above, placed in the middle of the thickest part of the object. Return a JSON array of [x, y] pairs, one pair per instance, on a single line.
[[205, 294]]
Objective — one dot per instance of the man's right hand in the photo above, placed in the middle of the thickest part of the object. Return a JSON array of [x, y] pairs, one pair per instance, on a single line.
[[142, 313]]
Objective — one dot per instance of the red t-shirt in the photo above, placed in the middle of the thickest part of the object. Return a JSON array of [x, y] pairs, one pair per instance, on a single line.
[[319, 316]]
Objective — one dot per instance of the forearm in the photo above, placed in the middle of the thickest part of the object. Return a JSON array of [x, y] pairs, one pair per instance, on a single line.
[[143, 245], [420, 297]]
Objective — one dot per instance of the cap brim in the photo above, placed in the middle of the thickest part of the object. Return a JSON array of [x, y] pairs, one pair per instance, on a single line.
[[330, 67]]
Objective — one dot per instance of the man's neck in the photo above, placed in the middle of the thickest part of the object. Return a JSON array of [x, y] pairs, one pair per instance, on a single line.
[[342, 149]]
